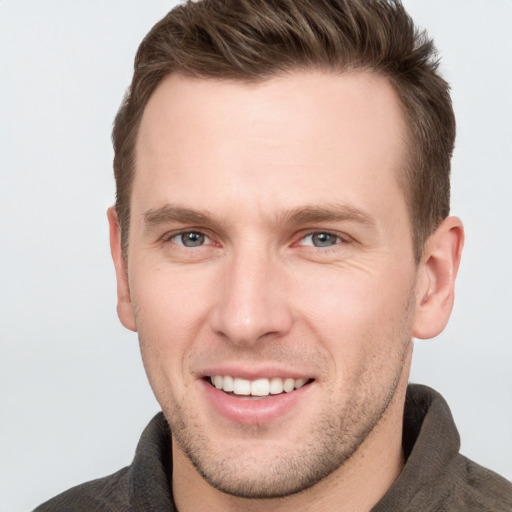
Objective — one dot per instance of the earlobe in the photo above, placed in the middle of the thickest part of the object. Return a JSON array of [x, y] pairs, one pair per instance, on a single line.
[[436, 278], [124, 303]]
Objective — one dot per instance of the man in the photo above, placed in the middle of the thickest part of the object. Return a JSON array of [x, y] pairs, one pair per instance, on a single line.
[[281, 233]]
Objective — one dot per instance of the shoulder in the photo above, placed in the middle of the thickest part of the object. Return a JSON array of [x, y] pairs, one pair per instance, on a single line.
[[144, 485], [436, 476], [107, 494], [475, 488]]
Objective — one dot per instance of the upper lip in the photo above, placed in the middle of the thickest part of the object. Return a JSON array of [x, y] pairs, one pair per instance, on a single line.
[[262, 372]]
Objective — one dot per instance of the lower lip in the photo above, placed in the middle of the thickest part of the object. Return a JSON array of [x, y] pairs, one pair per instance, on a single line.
[[253, 411]]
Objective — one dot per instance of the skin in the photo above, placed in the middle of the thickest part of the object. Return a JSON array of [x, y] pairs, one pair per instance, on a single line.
[[261, 171]]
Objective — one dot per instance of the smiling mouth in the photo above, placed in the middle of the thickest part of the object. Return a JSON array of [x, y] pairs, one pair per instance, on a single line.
[[256, 388]]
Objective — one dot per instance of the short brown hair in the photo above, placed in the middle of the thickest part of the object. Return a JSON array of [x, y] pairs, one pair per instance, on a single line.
[[253, 40]]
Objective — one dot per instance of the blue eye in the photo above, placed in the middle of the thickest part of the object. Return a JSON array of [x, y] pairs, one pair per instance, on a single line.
[[321, 239], [190, 239]]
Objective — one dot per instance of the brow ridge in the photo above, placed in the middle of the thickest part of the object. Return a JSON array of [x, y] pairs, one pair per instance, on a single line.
[[168, 213], [326, 213], [296, 216]]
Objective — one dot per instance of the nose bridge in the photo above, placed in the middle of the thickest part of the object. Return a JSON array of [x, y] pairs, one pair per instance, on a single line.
[[251, 300]]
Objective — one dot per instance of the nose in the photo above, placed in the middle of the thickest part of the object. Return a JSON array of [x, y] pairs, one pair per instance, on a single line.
[[252, 300]]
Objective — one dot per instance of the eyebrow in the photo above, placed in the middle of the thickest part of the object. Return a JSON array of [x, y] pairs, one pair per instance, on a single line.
[[168, 213], [326, 213], [297, 216]]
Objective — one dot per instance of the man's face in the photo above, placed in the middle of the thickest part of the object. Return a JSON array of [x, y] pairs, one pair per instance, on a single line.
[[270, 246]]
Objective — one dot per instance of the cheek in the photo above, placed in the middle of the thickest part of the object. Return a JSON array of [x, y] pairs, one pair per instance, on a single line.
[[170, 301], [170, 309], [359, 317]]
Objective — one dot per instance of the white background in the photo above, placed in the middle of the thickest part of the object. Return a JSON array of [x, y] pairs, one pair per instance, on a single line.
[[73, 395]]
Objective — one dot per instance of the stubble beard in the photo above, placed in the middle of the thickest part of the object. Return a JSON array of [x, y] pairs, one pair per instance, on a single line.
[[274, 472]]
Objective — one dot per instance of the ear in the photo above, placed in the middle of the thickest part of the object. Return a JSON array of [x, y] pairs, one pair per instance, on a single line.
[[124, 302], [436, 278]]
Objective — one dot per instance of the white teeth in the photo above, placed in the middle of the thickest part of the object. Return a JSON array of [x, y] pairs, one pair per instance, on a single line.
[[228, 383], [276, 386], [241, 386], [258, 387], [217, 382], [288, 385], [299, 383]]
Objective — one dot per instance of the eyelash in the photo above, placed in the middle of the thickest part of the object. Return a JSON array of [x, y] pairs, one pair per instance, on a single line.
[[169, 236], [341, 238]]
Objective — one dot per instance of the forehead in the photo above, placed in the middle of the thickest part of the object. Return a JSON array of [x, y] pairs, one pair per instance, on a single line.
[[294, 138]]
